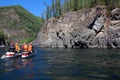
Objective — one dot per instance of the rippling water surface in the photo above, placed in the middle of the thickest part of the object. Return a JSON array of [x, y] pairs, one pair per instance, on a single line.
[[63, 64]]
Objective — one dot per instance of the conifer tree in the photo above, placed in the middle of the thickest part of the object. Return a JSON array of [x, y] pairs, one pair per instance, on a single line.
[[53, 8], [75, 5], [58, 8], [48, 13]]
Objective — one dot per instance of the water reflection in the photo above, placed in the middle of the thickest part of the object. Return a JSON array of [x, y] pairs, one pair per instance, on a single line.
[[26, 62], [11, 64], [28, 68], [25, 68]]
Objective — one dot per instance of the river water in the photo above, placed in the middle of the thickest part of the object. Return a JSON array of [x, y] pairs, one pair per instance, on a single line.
[[63, 64]]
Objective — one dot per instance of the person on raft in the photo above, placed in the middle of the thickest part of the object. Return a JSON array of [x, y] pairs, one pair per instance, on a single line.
[[11, 47], [30, 47], [25, 47], [17, 48]]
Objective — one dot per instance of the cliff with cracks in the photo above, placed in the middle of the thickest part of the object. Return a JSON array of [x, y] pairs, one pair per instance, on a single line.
[[87, 28]]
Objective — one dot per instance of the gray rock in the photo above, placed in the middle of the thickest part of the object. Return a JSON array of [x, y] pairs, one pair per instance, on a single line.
[[84, 28], [98, 24]]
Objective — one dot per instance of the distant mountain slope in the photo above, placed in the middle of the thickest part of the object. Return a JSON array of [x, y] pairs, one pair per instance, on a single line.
[[18, 24]]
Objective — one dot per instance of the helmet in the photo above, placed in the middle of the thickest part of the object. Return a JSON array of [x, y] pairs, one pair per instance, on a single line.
[[31, 43]]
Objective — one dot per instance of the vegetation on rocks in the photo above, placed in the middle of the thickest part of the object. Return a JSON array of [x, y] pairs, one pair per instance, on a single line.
[[3, 37]]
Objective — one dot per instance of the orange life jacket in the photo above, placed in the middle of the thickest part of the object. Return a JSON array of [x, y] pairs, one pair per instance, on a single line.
[[25, 48], [17, 47], [29, 47]]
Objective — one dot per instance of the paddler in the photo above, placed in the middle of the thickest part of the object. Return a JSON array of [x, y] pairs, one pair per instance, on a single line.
[[11, 47], [17, 48], [25, 47], [30, 47]]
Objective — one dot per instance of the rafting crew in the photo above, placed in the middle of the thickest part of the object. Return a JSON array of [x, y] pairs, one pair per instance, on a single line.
[[16, 48], [25, 51]]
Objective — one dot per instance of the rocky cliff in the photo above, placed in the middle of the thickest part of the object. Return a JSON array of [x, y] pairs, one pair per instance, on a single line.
[[85, 28]]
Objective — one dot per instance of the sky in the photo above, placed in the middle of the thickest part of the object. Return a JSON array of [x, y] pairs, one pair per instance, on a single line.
[[36, 7]]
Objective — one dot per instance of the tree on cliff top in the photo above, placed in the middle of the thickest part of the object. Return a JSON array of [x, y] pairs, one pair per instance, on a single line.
[[60, 7]]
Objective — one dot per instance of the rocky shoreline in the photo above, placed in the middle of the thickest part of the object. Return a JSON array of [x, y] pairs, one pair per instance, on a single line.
[[88, 28]]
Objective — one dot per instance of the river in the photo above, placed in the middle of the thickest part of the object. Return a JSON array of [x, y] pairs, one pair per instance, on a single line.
[[63, 64]]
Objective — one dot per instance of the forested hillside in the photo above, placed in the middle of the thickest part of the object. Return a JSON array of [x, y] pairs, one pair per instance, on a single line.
[[59, 7], [17, 24]]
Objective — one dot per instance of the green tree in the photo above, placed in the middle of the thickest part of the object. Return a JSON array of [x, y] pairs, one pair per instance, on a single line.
[[53, 8], [58, 6], [3, 37], [57, 9], [75, 5], [48, 13]]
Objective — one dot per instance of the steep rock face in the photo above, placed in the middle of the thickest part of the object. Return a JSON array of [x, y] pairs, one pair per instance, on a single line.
[[85, 28]]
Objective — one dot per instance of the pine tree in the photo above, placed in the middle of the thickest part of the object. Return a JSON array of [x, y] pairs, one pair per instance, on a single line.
[[75, 5], [48, 13], [53, 8], [67, 5], [58, 8]]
